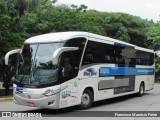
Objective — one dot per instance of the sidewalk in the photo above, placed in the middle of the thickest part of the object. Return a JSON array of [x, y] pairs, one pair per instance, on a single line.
[[6, 97], [3, 98]]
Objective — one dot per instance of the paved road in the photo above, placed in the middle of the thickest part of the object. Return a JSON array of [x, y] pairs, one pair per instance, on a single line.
[[149, 102]]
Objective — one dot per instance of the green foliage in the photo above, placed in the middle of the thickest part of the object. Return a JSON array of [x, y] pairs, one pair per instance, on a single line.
[[20, 19], [154, 36], [122, 34]]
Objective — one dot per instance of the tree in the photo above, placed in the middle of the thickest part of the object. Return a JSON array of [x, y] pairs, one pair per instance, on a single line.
[[154, 37], [21, 19], [122, 34]]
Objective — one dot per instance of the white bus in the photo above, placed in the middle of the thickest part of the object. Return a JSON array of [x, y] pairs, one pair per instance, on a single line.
[[59, 70]]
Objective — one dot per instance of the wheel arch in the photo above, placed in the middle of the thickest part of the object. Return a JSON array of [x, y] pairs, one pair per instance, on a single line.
[[89, 87], [87, 92]]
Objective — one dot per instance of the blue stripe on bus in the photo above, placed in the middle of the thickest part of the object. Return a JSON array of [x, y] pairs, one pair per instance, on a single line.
[[108, 71]]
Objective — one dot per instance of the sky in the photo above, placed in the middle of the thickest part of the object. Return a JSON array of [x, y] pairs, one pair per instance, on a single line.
[[146, 9]]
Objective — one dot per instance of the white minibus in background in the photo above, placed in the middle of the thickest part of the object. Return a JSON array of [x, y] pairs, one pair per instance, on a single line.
[[63, 69]]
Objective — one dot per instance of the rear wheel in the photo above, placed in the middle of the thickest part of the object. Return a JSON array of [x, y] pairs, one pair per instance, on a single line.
[[141, 90], [86, 99]]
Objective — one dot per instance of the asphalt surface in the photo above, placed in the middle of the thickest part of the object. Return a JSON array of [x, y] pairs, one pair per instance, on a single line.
[[130, 103]]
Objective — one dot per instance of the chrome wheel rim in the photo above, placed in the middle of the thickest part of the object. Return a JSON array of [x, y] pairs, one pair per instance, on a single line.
[[85, 99]]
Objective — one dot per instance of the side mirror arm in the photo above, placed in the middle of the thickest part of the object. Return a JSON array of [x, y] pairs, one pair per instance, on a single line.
[[59, 51], [10, 53]]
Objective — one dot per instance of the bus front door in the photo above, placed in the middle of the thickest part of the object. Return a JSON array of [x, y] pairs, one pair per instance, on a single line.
[[69, 82]]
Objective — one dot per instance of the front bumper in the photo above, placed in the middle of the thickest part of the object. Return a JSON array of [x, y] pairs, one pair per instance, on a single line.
[[51, 102]]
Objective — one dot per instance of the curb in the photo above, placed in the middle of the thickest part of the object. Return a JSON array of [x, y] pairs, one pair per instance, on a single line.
[[6, 98]]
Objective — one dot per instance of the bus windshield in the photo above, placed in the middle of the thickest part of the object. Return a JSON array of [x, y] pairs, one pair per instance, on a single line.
[[34, 65]]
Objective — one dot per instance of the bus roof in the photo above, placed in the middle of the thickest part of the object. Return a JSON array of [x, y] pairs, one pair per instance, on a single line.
[[55, 37], [63, 36]]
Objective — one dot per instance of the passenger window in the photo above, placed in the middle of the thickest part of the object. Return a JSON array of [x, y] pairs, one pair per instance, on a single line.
[[144, 58], [70, 61], [80, 43], [97, 52]]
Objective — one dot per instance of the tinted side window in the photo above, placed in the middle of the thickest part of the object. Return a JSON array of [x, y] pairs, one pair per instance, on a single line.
[[128, 56], [80, 43], [144, 58], [123, 56], [119, 55], [70, 60], [151, 58], [98, 53]]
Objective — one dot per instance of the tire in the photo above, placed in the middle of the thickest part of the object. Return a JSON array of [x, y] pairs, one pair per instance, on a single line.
[[141, 90], [86, 100]]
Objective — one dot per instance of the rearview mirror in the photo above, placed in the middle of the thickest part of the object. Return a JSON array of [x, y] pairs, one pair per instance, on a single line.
[[10, 53], [59, 51]]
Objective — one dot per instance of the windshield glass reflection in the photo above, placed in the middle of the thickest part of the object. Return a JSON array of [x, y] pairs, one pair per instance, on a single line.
[[35, 64]]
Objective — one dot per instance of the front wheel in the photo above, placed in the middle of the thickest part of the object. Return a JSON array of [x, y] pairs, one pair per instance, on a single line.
[[141, 90], [86, 100]]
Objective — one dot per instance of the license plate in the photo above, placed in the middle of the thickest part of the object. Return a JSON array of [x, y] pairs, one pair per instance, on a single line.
[[31, 104]]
